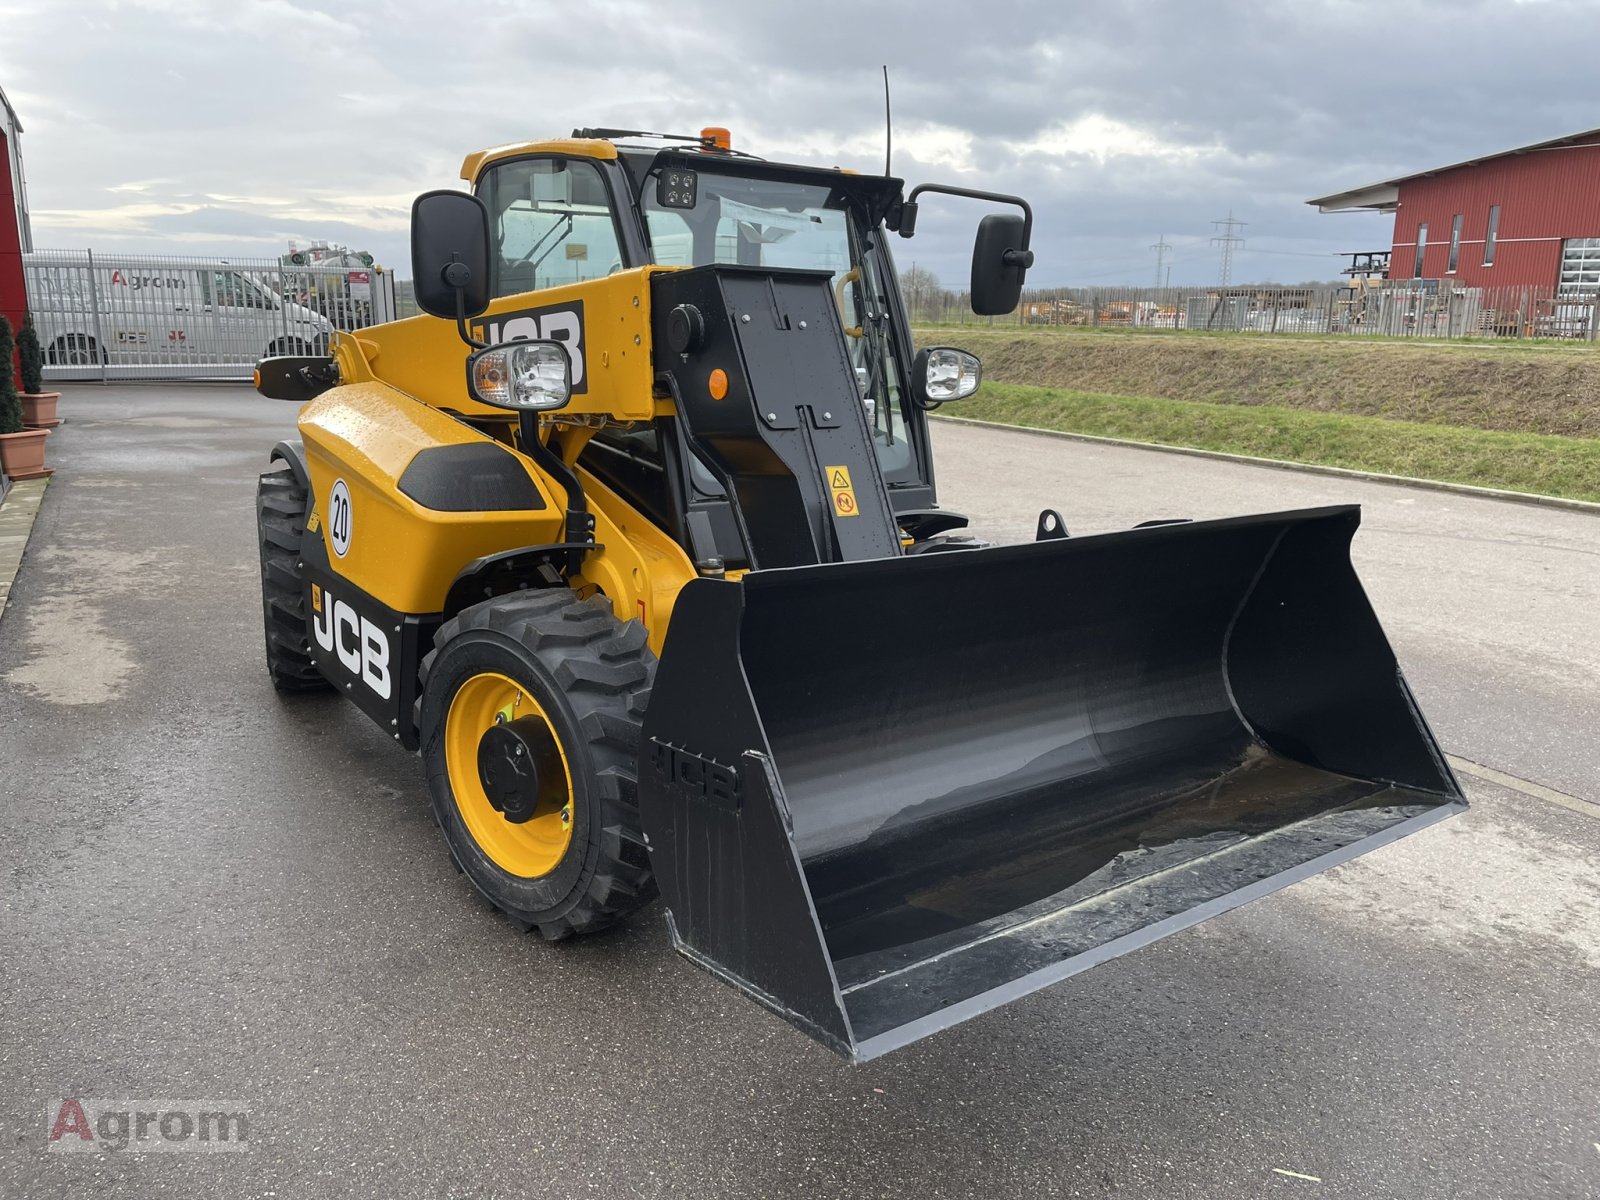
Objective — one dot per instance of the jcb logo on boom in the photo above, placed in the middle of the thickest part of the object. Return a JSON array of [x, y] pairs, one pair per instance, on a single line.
[[553, 323], [361, 646]]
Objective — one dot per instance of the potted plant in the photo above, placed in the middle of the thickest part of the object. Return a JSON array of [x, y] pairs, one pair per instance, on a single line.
[[38, 405], [21, 450]]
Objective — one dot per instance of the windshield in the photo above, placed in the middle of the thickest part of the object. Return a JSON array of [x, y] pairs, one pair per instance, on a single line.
[[771, 223]]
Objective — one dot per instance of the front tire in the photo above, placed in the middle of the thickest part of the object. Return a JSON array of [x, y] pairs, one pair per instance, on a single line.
[[546, 678]]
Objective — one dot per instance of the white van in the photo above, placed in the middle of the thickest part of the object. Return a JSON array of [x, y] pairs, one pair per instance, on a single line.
[[160, 317]]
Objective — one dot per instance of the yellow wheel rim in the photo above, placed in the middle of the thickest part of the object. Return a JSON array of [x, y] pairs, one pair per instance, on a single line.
[[529, 849]]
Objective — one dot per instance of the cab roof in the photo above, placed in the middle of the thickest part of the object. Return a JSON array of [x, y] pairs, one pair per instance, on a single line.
[[475, 163], [876, 194]]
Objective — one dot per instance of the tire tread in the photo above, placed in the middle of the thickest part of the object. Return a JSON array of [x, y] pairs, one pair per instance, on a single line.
[[281, 507]]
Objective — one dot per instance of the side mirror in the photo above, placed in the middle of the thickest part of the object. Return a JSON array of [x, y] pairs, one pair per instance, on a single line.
[[450, 254], [1000, 260], [941, 373]]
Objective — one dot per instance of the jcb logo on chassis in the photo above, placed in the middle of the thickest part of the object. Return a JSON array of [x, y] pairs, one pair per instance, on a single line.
[[701, 778], [361, 646], [553, 323]]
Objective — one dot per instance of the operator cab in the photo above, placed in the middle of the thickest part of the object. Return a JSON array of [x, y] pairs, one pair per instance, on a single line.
[[739, 211], [566, 212]]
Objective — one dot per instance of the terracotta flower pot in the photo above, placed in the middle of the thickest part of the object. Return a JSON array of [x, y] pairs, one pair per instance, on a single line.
[[39, 409], [23, 453]]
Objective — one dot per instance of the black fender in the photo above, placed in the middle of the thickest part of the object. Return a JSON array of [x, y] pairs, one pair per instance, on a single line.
[[922, 523], [509, 571], [294, 454]]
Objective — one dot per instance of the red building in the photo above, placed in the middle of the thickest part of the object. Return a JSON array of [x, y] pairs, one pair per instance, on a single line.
[[1527, 217], [13, 216]]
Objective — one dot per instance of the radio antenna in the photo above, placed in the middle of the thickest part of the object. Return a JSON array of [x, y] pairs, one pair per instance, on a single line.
[[888, 125]]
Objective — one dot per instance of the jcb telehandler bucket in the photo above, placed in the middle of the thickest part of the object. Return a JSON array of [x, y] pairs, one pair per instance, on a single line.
[[883, 797]]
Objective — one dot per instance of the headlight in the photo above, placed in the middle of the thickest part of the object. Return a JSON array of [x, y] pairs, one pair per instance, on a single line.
[[942, 373], [521, 376]]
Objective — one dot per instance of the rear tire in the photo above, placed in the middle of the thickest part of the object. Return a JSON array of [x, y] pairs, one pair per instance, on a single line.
[[281, 507], [582, 678]]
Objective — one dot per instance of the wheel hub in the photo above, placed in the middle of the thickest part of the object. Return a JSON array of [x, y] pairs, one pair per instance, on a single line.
[[520, 768]]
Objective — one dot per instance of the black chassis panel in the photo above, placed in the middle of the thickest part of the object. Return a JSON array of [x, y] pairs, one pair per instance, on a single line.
[[364, 648]]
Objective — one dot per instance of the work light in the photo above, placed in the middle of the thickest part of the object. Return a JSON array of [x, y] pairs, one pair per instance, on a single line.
[[521, 376]]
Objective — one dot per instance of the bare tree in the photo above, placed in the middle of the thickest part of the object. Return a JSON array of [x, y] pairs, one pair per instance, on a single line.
[[921, 290]]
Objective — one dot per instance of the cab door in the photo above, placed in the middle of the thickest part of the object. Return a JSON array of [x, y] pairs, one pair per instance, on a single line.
[[552, 222]]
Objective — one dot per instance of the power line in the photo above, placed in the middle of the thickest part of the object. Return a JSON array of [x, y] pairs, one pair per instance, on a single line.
[[1161, 249], [1293, 253], [1229, 240]]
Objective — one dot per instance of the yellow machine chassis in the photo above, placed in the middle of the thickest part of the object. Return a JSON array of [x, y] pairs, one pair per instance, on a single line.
[[367, 431]]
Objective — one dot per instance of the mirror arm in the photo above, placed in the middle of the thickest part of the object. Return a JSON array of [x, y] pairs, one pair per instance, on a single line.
[[461, 322], [1013, 258]]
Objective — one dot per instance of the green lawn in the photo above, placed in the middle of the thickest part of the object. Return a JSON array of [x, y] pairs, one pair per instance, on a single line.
[[930, 332], [1509, 388], [1523, 462]]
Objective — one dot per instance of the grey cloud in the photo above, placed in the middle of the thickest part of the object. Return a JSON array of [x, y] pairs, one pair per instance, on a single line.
[[351, 109]]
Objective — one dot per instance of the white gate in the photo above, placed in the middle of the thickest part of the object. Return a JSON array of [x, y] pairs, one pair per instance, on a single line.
[[107, 317]]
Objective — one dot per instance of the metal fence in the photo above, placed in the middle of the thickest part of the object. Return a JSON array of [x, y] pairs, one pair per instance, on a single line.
[[104, 316], [1410, 308]]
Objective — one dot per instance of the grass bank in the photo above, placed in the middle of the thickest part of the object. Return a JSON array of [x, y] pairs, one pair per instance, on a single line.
[[1523, 462], [1513, 387]]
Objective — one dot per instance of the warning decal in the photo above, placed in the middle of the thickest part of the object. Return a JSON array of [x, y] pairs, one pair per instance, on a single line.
[[844, 496]]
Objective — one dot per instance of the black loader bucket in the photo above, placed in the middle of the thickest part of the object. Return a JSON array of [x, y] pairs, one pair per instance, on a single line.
[[883, 797]]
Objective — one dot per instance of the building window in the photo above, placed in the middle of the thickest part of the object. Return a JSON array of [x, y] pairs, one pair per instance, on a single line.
[[1580, 267], [1455, 245], [1422, 248], [1494, 232]]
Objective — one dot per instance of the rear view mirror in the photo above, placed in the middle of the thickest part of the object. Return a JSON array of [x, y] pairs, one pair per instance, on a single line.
[[1000, 260], [450, 254]]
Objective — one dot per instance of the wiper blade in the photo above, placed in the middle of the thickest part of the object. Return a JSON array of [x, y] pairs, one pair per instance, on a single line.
[[565, 233]]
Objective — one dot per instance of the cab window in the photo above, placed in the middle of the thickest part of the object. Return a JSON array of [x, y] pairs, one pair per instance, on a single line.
[[551, 222], [778, 223]]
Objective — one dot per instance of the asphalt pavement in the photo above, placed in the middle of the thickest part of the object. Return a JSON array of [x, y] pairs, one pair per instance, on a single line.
[[212, 896]]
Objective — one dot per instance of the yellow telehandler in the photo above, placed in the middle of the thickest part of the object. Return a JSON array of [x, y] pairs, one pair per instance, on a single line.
[[633, 535]]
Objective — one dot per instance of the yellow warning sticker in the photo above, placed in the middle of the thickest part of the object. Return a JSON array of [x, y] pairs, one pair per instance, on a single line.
[[316, 598], [844, 495], [313, 523]]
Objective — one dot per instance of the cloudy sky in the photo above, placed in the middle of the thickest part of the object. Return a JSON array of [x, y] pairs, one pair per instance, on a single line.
[[237, 126]]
